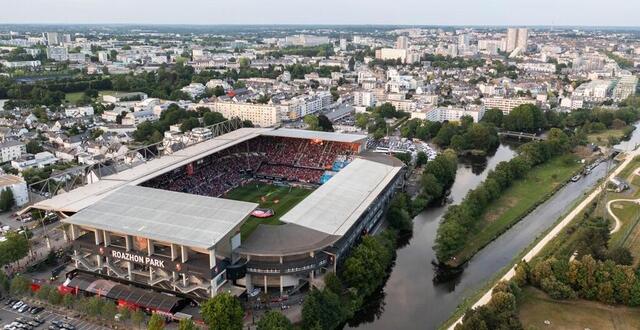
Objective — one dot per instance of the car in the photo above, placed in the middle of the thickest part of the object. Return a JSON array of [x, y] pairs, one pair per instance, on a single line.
[[53, 327], [37, 319], [57, 323], [68, 326], [10, 302], [17, 305], [23, 308], [33, 324], [37, 310]]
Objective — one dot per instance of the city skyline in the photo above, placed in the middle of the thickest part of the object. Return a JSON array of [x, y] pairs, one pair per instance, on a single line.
[[459, 13]]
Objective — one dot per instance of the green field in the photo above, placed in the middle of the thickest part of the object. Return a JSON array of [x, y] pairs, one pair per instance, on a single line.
[[536, 307], [280, 199], [602, 138], [517, 200], [73, 97], [76, 96]]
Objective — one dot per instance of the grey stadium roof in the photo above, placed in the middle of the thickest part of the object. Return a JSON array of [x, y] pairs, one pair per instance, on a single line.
[[79, 198], [324, 136], [180, 218], [336, 205]]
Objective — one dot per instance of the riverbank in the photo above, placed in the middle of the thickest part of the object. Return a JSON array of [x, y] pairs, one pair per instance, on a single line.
[[552, 234], [517, 201], [469, 301]]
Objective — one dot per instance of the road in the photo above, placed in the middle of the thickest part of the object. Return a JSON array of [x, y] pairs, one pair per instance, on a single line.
[[554, 232]]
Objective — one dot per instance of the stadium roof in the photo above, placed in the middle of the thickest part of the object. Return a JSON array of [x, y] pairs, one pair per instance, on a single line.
[[336, 205], [180, 218], [315, 135], [267, 240], [79, 198]]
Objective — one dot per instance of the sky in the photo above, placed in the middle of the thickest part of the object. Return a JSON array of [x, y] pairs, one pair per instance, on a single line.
[[402, 12]]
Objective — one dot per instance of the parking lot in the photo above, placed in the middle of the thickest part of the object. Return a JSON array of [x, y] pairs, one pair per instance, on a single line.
[[8, 315]]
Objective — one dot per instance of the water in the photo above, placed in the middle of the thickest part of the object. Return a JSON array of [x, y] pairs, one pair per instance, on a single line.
[[411, 300], [632, 142]]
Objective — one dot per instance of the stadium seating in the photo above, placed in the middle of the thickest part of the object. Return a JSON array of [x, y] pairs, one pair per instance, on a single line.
[[287, 159]]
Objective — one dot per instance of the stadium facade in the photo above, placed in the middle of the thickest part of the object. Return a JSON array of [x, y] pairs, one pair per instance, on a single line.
[[160, 225]]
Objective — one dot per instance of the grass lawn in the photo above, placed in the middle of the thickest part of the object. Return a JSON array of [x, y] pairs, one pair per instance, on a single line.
[[280, 199], [602, 138], [73, 97], [518, 199], [536, 308], [628, 213]]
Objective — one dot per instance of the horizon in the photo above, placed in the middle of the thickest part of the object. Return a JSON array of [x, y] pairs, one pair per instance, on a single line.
[[588, 13]]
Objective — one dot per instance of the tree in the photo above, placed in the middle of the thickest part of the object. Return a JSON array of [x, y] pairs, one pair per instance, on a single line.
[[218, 91], [19, 285], [68, 301], [15, 247], [43, 292], [6, 200], [274, 320], [421, 158], [211, 118], [312, 122], [108, 311], [33, 147], [325, 124], [55, 298], [493, 116], [222, 312], [524, 118], [137, 317], [156, 322], [362, 120], [187, 324], [189, 124], [322, 309]]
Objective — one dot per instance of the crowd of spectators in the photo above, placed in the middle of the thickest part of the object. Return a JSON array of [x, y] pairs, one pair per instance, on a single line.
[[286, 159]]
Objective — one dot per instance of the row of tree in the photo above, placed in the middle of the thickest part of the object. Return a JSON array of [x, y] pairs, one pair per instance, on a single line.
[[460, 136], [530, 118], [461, 221], [437, 177]]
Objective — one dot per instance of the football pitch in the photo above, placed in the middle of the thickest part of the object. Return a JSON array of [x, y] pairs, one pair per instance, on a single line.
[[279, 199]]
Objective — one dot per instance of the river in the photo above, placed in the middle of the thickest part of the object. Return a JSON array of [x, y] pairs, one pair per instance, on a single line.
[[411, 299]]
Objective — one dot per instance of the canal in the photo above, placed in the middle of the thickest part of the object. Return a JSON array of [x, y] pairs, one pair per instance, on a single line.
[[411, 299]]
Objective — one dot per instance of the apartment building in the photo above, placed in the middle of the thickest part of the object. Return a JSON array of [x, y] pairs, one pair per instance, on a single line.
[[505, 104]]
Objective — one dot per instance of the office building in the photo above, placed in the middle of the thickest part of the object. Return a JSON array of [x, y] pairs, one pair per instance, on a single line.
[[402, 42], [53, 38]]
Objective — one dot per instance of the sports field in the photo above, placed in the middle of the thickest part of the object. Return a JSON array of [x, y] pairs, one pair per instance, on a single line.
[[280, 199]]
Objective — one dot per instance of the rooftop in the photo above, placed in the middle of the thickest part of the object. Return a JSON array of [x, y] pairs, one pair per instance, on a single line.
[[79, 198], [8, 179], [180, 218], [315, 135], [336, 205]]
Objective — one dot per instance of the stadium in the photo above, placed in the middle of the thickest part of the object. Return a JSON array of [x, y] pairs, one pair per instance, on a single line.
[[264, 208]]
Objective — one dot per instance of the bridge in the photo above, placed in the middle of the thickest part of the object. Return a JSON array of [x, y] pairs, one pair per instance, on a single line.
[[522, 135]]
